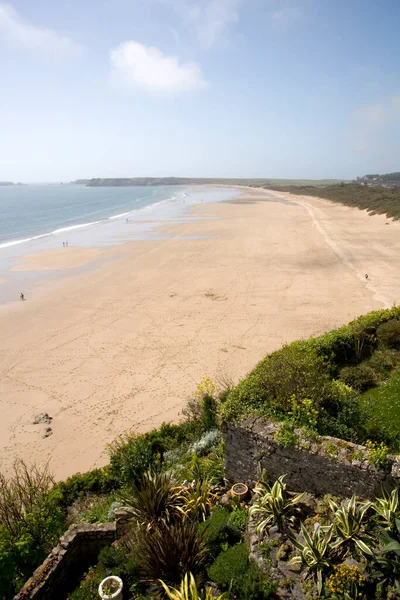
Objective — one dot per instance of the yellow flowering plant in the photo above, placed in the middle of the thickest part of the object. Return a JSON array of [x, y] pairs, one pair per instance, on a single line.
[[346, 583]]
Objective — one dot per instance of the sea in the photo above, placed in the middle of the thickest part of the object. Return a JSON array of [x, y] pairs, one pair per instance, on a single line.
[[34, 218]]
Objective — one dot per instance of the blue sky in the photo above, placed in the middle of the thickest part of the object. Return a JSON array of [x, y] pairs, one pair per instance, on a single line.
[[224, 88]]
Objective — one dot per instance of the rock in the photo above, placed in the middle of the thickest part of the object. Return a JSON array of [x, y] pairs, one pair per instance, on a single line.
[[48, 432], [225, 501], [308, 504], [42, 418]]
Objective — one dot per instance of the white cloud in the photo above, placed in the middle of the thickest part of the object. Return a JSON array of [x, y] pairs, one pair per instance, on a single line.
[[208, 18], [146, 67], [15, 33]]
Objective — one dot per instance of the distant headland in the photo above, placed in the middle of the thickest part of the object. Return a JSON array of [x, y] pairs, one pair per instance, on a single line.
[[136, 181]]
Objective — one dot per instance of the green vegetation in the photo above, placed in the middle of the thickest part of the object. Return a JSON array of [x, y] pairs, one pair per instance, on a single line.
[[273, 505], [383, 405], [181, 538], [188, 591], [376, 200], [377, 454], [31, 520], [316, 384], [233, 571]]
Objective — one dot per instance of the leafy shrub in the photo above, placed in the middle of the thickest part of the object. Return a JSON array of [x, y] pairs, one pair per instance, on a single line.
[[206, 442], [131, 455], [254, 585], [97, 481], [114, 561], [303, 413], [359, 377], [90, 509], [167, 552], [388, 333], [238, 518], [31, 520], [331, 449], [286, 435], [219, 531], [229, 567], [234, 571], [377, 454], [342, 415], [302, 372], [88, 588], [295, 370], [202, 408], [198, 468], [342, 345], [383, 361]]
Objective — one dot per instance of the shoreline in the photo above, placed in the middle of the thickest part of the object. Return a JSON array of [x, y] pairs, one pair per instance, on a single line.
[[124, 344]]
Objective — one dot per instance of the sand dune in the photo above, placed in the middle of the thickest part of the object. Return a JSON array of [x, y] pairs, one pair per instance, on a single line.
[[122, 345]]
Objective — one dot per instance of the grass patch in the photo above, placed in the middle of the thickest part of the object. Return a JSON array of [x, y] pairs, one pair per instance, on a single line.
[[376, 200], [383, 406]]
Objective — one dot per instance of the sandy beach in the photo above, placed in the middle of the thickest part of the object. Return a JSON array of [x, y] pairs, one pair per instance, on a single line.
[[123, 345]]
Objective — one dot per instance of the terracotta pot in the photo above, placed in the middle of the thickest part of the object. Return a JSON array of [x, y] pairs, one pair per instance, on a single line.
[[117, 595], [239, 491]]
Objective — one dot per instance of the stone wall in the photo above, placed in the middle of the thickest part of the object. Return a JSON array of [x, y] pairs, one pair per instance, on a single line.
[[323, 466], [77, 550]]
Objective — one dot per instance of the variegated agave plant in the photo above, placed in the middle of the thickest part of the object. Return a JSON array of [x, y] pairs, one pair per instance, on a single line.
[[349, 525], [387, 508], [314, 552], [188, 591], [273, 504]]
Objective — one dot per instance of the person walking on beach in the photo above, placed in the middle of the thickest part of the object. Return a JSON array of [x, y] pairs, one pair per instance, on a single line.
[[66, 244], [21, 296], [366, 275], [63, 244]]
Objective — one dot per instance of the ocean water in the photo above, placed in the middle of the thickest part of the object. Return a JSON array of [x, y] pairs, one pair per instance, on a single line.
[[35, 218], [34, 210]]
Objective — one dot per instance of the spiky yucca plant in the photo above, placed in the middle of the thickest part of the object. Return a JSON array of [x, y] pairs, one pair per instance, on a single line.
[[198, 500], [387, 508], [349, 526], [156, 498], [167, 552], [273, 504], [188, 591], [314, 552]]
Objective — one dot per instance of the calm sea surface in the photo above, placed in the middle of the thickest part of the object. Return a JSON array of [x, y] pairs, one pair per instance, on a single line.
[[36, 218], [33, 210]]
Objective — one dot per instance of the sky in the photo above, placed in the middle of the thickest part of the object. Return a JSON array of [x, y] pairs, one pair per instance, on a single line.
[[201, 88]]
